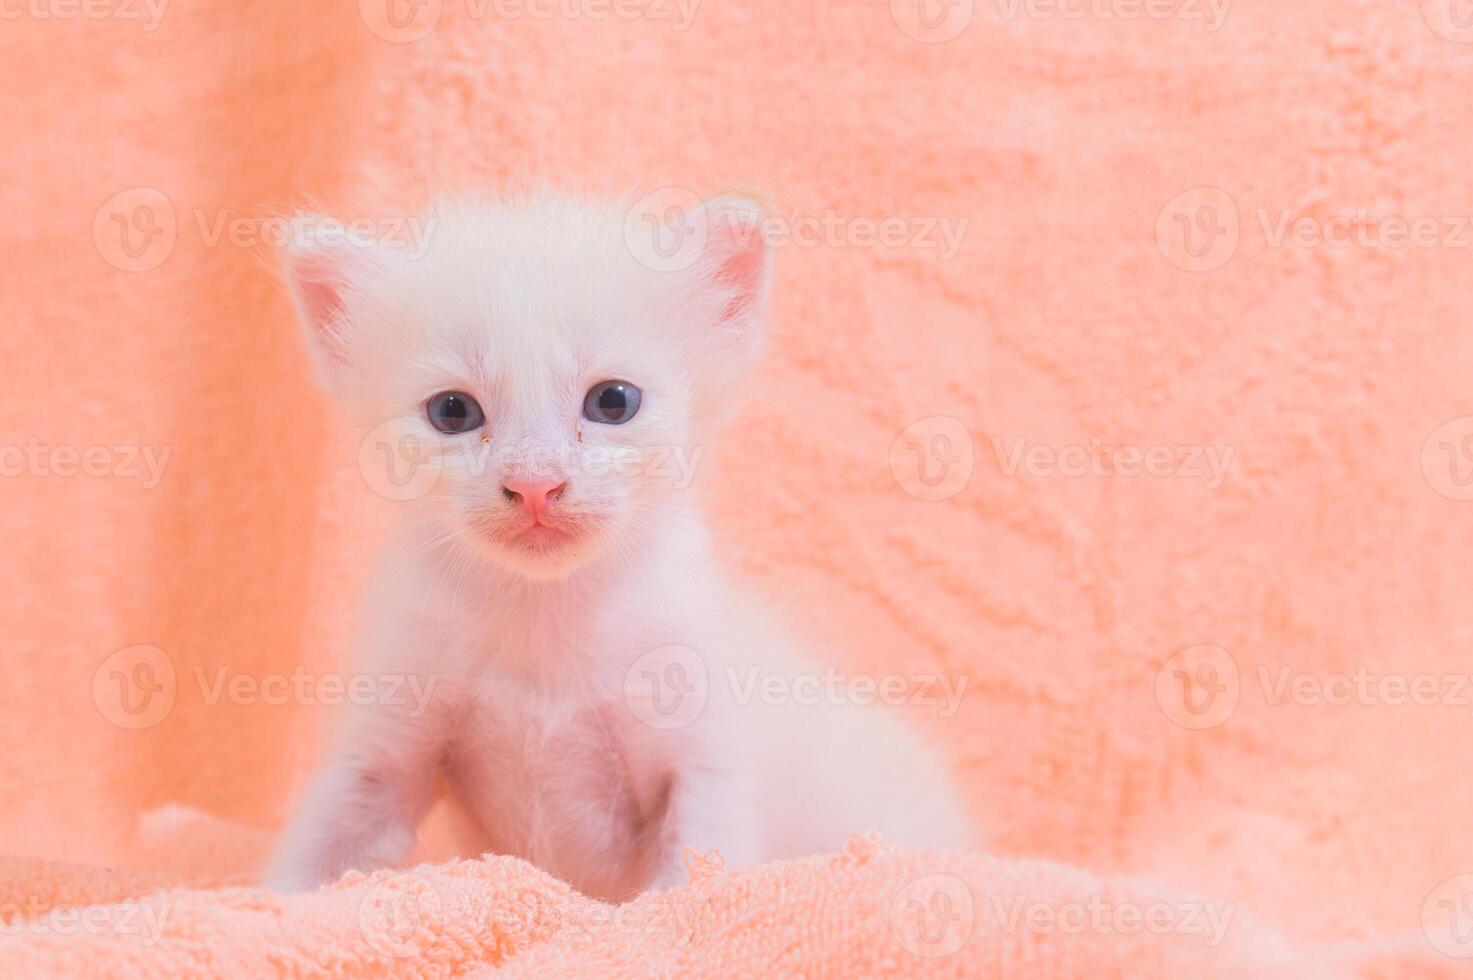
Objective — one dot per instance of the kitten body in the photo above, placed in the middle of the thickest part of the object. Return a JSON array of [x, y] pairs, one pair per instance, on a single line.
[[601, 697]]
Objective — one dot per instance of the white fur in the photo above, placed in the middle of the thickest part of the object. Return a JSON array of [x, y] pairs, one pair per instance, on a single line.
[[530, 644]]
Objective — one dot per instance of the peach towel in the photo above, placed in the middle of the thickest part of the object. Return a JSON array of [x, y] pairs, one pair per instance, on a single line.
[[1060, 322], [871, 910]]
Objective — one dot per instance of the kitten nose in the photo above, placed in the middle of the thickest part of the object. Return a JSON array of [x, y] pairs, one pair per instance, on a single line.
[[534, 495]]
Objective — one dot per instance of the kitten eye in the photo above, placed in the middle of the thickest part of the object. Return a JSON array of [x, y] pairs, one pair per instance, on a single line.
[[454, 412], [611, 402]]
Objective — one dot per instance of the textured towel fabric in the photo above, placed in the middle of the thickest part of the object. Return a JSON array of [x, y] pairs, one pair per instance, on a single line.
[[1336, 543], [871, 910]]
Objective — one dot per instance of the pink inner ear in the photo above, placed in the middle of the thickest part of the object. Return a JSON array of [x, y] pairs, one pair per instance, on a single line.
[[741, 259], [318, 279]]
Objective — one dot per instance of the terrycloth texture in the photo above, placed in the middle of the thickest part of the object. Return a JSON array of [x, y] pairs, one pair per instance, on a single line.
[[869, 911], [1061, 141]]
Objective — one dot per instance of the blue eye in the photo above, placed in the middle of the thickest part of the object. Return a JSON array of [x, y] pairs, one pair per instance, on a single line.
[[611, 402], [454, 412]]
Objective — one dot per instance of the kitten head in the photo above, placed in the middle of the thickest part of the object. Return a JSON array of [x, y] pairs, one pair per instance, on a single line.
[[559, 383]]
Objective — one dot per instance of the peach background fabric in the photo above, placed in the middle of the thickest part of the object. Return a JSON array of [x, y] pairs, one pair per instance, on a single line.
[[1074, 314]]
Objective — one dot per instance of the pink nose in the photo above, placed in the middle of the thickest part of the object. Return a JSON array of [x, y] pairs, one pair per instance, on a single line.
[[534, 495]]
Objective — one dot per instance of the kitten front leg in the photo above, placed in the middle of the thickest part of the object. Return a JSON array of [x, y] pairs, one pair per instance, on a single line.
[[710, 809], [361, 809]]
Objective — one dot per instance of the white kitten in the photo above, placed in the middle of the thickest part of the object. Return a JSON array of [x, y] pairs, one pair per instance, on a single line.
[[555, 586]]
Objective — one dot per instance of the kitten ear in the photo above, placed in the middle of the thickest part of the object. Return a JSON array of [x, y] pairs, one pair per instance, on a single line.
[[322, 272], [735, 271]]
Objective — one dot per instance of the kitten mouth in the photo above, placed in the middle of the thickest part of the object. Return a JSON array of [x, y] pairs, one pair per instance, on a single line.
[[541, 535], [547, 537], [546, 532]]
